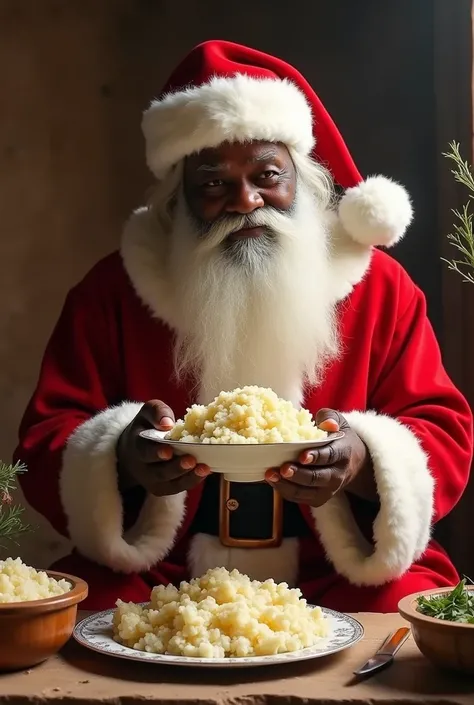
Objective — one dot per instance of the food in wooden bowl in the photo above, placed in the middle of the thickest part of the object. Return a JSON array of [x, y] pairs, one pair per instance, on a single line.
[[37, 613], [442, 622]]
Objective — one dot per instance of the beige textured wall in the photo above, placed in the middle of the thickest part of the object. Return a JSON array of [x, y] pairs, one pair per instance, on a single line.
[[71, 167]]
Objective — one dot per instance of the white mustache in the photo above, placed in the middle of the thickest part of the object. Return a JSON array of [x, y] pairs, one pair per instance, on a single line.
[[273, 220]]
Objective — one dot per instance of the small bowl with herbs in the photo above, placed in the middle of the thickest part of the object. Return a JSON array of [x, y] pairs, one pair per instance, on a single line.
[[442, 622]]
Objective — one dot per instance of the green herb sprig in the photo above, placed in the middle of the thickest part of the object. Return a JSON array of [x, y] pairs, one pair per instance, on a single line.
[[11, 524], [454, 606], [462, 237]]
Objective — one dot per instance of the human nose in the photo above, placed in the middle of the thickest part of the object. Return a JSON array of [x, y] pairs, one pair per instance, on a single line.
[[245, 198]]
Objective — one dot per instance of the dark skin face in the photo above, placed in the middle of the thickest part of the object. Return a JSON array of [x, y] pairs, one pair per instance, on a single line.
[[237, 179]]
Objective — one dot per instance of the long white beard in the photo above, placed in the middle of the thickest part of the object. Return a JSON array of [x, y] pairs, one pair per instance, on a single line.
[[259, 312]]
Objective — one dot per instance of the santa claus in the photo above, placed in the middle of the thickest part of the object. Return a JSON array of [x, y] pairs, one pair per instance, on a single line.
[[245, 269]]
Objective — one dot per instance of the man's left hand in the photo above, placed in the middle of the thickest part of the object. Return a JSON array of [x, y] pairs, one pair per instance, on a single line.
[[322, 472]]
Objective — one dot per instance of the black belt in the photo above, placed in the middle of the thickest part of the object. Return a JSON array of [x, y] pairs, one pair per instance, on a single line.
[[247, 515]]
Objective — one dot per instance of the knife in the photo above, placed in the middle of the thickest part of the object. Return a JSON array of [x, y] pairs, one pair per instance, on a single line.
[[384, 656]]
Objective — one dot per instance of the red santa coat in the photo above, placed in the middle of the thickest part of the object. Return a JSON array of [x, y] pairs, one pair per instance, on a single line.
[[111, 351]]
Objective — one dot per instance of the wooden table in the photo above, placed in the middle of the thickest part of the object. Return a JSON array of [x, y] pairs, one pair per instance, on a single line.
[[78, 675]]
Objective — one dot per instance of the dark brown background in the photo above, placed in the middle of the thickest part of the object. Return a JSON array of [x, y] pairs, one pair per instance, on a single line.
[[75, 76]]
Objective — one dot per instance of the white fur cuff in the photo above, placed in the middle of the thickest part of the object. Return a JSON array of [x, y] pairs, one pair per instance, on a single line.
[[93, 504], [402, 528]]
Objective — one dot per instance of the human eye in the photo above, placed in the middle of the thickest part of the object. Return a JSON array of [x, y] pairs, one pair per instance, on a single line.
[[213, 188], [215, 183], [269, 175]]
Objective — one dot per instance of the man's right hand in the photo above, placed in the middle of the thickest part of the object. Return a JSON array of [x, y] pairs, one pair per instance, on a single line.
[[153, 465]]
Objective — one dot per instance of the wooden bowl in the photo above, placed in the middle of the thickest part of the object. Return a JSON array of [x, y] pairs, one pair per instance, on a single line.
[[449, 645], [32, 631]]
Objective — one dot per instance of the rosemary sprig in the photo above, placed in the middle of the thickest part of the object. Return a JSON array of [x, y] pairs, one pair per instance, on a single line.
[[8, 475], [462, 237], [11, 524]]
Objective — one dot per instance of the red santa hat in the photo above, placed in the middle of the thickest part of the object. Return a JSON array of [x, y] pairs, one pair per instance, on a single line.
[[223, 92]]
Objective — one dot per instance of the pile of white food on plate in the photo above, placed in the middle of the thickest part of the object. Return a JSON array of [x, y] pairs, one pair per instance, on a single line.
[[222, 614]]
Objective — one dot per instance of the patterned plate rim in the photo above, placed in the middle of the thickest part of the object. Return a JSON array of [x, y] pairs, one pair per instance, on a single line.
[[310, 652]]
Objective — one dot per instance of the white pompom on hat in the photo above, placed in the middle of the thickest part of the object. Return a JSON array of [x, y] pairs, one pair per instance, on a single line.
[[377, 211]]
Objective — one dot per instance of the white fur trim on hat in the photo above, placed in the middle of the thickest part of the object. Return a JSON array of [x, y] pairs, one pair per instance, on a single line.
[[235, 109], [376, 212]]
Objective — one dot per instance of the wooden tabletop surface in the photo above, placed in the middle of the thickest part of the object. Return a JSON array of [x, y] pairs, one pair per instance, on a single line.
[[78, 675]]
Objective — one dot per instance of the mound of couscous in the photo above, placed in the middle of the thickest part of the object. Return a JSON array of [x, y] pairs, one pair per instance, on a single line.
[[21, 583], [246, 415], [222, 614]]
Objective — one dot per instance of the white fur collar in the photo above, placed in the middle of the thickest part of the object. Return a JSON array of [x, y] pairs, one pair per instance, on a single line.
[[144, 254]]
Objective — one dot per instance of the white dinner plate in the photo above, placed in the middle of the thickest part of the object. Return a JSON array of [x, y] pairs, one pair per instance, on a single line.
[[95, 632]]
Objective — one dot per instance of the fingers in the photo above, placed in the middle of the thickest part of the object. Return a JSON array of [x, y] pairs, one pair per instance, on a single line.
[[166, 478], [309, 477], [330, 420], [148, 451], [164, 453], [302, 495], [168, 472], [153, 465], [334, 453], [183, 483], [173, 470], [158, 415], [154, 414]]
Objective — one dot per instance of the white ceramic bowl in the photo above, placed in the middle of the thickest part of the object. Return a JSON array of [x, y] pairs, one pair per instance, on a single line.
[[241, 463]]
